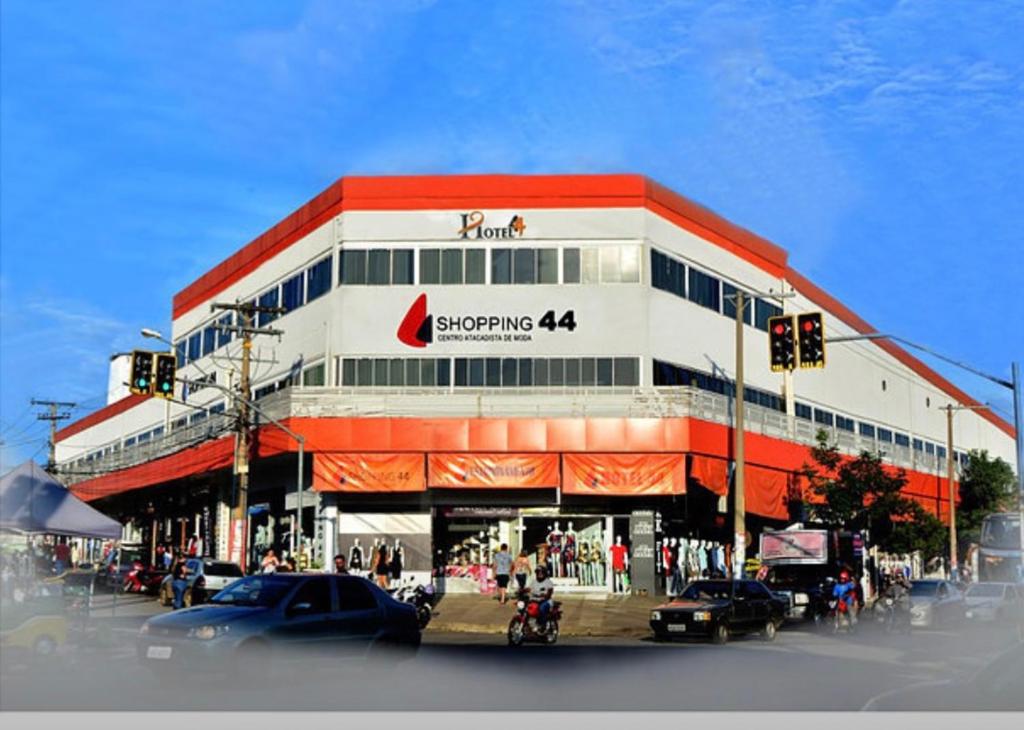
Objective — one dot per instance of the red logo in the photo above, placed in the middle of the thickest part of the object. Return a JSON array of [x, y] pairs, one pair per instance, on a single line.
[[417, 328]]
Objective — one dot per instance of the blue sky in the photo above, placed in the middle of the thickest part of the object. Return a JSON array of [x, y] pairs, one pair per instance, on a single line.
[[880, 143]]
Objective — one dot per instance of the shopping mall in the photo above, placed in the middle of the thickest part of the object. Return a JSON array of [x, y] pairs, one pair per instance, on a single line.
[[545, 361]]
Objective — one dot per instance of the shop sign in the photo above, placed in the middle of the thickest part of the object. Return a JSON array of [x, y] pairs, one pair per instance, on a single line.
[[510, 471], [344, 472], [641, 540], [207, 532], [420, 327], [625, 474], [473, 227], [502, 513], [236, 542], [805, 546]]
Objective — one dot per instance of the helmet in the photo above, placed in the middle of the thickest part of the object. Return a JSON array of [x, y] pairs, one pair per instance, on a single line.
[[844, 575]]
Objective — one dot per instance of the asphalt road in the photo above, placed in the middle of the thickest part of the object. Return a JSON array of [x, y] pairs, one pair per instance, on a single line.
[[801, 670]]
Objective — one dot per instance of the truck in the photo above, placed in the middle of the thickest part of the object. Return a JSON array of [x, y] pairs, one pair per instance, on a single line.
[[999, 552], [796, 564]]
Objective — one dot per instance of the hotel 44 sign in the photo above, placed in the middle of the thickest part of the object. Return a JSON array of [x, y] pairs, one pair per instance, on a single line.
[[473, 223]]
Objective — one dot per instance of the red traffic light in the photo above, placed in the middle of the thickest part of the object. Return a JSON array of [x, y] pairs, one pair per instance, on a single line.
[[808, 326], [779, 329]]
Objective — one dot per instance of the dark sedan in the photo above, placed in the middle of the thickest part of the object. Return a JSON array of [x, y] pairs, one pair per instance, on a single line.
[[262, 620], [717, 609]]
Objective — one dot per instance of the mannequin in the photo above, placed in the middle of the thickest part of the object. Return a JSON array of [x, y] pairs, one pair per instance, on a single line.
[[692, 561], [620, 564], [702, 558], [597, 575], [555, 549], [584, 564], [680, 574], [397, 555], [355, 558], [718, 558], [665, 568], [570, 551], [675, 577], [382, 566]]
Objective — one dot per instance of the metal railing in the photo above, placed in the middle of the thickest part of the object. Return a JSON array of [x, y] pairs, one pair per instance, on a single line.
[[537, 402]]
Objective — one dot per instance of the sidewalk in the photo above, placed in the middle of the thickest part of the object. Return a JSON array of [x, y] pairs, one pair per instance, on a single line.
[[582, 615]]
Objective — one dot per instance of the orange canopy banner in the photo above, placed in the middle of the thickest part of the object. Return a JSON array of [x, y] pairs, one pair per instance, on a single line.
[[343, 472], [504, 471], [712, 473], [624, 474], [765, 491]]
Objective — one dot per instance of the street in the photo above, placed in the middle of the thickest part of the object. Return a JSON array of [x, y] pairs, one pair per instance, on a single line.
[[801, 670]]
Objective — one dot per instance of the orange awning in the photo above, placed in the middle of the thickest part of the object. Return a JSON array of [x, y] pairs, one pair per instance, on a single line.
[[712, 473], [624, 474], [506, 471], [344, 472]]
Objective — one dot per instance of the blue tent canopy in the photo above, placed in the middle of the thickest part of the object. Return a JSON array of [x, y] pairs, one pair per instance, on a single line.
[[32, 501]]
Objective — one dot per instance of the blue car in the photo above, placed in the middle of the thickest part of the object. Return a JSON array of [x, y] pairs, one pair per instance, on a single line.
[[261, 621]]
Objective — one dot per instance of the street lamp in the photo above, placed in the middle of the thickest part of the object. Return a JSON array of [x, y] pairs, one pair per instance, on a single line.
[[154, 335]]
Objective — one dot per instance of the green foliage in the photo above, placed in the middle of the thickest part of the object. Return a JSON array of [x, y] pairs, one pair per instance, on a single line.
[[860, 494], [986, 485]]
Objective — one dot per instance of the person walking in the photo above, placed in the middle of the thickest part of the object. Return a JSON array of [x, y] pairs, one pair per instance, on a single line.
[[179, 582], [522, 569], [339, 565], [502, 572], [270, 562]]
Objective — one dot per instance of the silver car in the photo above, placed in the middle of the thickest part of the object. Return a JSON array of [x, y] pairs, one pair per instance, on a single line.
[[994, 602], [205, 577], [935, 603]]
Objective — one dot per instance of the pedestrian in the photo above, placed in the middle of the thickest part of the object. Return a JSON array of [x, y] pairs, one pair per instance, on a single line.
[[502, 572], [270, 562], [168, 557], [61, 557], [522, 569], [179, 582], [339, 564]]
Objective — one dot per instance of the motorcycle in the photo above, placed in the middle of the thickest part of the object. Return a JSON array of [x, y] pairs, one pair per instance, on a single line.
[[837, 610], [421, 598], [892, 615], [526, 624]]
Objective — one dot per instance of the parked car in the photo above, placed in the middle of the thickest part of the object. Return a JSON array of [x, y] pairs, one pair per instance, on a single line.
[[260, 621], [205, 577], [115, 567], [718, 609], [35, 626], [1002, 602], [935, 603], [999, 685]]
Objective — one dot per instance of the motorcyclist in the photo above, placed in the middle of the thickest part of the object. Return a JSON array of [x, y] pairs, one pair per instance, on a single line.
[[541, 590], [899, 591], [845, 590]]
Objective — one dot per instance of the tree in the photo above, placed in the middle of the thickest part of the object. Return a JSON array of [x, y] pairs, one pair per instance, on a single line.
[[860, 494], [986, 485]]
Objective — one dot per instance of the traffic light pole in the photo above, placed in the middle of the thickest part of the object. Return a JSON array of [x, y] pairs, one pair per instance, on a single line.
[[739, 545], [954, 558]]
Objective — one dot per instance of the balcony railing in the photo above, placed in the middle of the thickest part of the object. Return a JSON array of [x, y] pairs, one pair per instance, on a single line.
[[328, 402]]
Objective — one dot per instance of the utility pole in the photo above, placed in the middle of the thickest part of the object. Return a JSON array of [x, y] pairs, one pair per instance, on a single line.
[[53, 417], [950, 475], [246, 312]]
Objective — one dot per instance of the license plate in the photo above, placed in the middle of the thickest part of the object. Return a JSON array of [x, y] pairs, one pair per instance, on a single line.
[[677, 627], [158, 652]]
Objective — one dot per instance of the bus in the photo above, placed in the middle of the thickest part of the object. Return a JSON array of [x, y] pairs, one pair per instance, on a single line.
[[999, 553]]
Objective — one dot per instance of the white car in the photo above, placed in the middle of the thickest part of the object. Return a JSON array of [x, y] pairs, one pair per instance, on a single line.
[[994, 602], [203, 573]]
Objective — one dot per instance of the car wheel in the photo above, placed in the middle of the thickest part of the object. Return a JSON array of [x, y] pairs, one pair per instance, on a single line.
[[423, 616], [720, 634], [768, 633], [515, 633], [44, 647]]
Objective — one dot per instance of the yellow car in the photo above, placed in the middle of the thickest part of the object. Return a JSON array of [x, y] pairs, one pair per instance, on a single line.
[[36, 626]]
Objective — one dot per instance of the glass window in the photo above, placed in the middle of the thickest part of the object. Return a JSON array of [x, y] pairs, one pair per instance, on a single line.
[[354, 595], [195, 346], [181, 352], [611, 267], [318, 279], [803, 411], [729, 305], [525, 371], [844, 423], [353, 267], [929, 448], [918, 445], [525, 266], [885, 434], [822, 417], [348, 372], [571, 266], [867, 430], [588, 371], [556, 371], [493, 373], [451, 266], [267, 299], [224, 335], [461, 371], [412, 372], [397, 376], [401, 266], [627, 371], [143, 437], [428, 372], [444, 367], [629, 263], [540, 372], [604, 371], [314, 375], [704, 289], [501, 266], [762, 312], [476, 266], [476, 372], [591, 266], [317, 593], [364, 374], [380, 372], [940, 451], [509, 372], [430, 266], [291, 293], [378, 271], [547, 265], [572, 372], [901, 439]]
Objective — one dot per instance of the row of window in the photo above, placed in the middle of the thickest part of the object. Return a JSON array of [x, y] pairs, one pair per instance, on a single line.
[[666, 373], [490, 372], [673, 276]]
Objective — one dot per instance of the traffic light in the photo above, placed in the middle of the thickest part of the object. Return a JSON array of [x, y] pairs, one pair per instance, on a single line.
[[163, 383], [142, 373], [811, 338], [781, 342]]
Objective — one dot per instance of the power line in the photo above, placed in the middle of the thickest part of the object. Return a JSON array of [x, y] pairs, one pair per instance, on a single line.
[[54, 417]]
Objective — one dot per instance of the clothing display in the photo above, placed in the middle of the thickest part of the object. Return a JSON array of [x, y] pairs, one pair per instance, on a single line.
[[396, 563], [382, 560], [355, 558], [618, 553]]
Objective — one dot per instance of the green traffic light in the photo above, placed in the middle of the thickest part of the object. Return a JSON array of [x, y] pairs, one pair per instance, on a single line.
[[165, 387]]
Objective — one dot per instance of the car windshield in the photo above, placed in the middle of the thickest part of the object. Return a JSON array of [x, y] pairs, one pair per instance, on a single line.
[[229, 570], [706, 590], [923, 588], [985, 590], [257, 590]]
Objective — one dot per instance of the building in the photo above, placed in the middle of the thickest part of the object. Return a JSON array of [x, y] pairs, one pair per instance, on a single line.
[[484, 359]]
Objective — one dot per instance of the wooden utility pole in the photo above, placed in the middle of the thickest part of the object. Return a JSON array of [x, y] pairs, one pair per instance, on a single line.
[[53, 417], [952, 494]]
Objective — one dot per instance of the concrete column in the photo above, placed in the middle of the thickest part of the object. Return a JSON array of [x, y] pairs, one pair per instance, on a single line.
[[330, 528], [222, 518]]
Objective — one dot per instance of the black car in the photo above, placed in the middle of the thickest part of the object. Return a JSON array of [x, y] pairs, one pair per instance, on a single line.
[[259, 621], [716, 609]]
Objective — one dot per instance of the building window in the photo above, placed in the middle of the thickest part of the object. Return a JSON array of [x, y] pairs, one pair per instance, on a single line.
[[803, 411], [224, 335], [318, 279], [314, 375], [378, 267], [401, 266], [885, 434], [929, 448], [348, 372], [209, 340], [902, 439], [476, 266], [430, 266], [181, 352], [940, 451], [451, 266], [476, 372], [918, 445], [867, 430], [352, 270], [195, 345], [763, 311], [571, 266], [844, 424], [510, 372], [547, 265], [627, 371], [729, 303], [267, 299], [704, 290], [611, 266], [501, 266], [823, 417], [364, 372], [492, 372], [525, 268], [540, 372], [591, 266], [397, 375], [291, 293], [412, 372]]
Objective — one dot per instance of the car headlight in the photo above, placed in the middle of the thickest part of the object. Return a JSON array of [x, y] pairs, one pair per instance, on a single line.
[[520, 605], [205, 633], [701, 615], [800, 599], [655, 615]]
